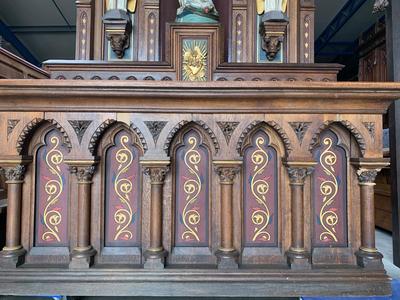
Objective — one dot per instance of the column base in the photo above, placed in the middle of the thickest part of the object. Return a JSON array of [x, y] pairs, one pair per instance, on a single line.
[[155, 259], [369, 258], [82, 259], [227, 259], [298, 259], [12, 258]]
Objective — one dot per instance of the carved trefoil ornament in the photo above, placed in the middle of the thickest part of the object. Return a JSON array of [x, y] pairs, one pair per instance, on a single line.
[[227, 129], [371, 128], [300, 129], [155, 128], [80, 127], [11, 123]]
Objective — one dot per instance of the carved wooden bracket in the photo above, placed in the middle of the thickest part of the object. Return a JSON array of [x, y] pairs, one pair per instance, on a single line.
[[118, 27], [273, 34]]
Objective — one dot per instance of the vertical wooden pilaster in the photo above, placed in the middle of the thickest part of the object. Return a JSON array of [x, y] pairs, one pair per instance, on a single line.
[[227, 255], [298, 256], [13, 253], [368, 256], [393, 64], [155, 254], [83, 254], [84, 29], [307, 12]]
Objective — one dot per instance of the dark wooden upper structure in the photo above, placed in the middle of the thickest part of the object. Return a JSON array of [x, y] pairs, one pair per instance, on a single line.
[[194, 161]]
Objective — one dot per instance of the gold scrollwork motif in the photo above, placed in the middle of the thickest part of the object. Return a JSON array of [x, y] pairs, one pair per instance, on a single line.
[[329, 189], [259, 189], [192, 187], [123, 187], [52, 216], [194, 60]]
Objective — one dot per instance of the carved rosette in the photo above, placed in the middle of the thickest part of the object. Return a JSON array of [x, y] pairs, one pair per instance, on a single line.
[[367, 176], [14, 174], [83, 173], [157, 174], [297, 175], [227, 174]]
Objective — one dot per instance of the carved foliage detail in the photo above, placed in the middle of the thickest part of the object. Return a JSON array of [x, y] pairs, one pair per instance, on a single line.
[[227, 129], [11, 123], [300, 128], [371, 128], [16, 173], [80, 127], [155, 128]]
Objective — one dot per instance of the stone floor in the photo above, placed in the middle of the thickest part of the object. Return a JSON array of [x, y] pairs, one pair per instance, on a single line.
[[384, 245]]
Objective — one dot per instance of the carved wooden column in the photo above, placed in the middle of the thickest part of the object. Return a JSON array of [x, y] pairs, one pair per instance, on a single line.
[[83, 254], [84, 29], [227, 255], [298, 256], [368, 256], [13, 253], [155, 254]]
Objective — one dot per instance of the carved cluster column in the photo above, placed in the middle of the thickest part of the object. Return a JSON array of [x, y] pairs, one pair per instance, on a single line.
[[13, 253], [155, 254], [227, 255], [368, 256], [83, 254], [298, 256]]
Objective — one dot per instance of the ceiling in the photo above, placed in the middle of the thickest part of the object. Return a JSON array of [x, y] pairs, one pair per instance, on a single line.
[[47, 27]]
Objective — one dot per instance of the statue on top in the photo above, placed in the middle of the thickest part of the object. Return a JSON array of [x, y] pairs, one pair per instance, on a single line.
[[272, 9], [197, 11], [125, 5]]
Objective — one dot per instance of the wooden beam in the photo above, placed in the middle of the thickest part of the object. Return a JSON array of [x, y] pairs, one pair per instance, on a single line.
[[393, 63]]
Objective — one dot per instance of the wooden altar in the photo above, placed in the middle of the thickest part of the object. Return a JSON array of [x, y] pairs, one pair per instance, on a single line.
[[255, 180]]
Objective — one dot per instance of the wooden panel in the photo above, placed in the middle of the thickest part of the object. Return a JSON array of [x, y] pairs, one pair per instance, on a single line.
[[330, 193], [52, 193], [122, 214], [260, 193], [192, 192]]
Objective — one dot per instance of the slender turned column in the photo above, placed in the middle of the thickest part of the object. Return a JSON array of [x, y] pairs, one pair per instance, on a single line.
[[368, 256], [13, 253], [227, 255], [298, 256], [83, 254], [155, 254]]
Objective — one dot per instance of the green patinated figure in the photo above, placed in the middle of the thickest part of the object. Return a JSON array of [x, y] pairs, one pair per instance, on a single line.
[[197, 11]]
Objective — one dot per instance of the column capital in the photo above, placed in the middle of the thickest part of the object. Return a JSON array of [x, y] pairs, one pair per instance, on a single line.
[[297, 175], [227, 174], [14, 174], [157, 174], [367, 176], [83, 173]]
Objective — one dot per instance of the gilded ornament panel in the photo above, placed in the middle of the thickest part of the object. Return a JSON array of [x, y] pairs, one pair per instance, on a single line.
[[260, 193], [122, 195], [194, 59], [192, 192], [330, 193], [52, 192]]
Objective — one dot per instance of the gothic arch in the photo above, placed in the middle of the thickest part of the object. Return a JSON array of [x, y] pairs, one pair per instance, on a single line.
[[256, 124], [348, 125], [27, 133], [185, 123]]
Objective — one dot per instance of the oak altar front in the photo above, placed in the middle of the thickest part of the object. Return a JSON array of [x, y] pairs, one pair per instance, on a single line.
[[192, 159]]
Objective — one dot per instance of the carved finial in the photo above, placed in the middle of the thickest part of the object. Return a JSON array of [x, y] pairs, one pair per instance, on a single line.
[[16, 173]]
